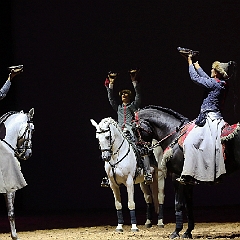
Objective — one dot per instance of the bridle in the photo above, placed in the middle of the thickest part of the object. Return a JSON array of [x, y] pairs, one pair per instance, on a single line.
[[111, 146], [23, 141]]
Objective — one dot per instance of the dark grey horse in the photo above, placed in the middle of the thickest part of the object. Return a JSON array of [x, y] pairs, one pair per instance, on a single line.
[[164, 125]]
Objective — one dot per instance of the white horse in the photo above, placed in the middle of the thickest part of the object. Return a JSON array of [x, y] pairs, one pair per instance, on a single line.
[[121, 168], [16, 130]]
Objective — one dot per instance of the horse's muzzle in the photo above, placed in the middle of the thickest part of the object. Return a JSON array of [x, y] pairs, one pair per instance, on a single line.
[[106, 156]]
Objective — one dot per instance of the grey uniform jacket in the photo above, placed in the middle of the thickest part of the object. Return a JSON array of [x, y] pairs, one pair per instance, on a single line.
[[125, 112]]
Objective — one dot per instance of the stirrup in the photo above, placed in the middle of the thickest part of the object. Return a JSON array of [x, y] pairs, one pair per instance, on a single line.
[[148, 179], [105, 182]]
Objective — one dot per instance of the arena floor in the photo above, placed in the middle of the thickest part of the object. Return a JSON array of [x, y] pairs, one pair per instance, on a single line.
[[211, 223]]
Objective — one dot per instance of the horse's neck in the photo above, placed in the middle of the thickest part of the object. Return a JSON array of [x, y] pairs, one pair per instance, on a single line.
[[118, 138], [164, 128], [120, 146], [12, 129]]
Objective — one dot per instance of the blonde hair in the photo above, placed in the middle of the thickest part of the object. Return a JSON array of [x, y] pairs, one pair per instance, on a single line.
[[221, 68]]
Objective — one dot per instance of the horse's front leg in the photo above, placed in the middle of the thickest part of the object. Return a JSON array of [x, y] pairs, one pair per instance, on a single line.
[[131, 203], [179, 204], [188, 196], [9, 198], [118, 206]]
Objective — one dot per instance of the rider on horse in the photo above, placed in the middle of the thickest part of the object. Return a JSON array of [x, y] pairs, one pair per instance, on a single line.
[[125, 111], [203, 152]]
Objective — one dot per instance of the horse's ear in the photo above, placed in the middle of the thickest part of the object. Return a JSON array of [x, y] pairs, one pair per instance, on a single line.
[[31, 112], [93, 123], [21, 111]]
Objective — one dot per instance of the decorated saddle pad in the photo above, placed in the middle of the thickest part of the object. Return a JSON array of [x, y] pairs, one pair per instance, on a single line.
[[184, 132], [229, 131]]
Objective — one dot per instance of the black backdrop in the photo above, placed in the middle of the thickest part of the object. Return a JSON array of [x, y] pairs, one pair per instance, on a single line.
[[67, 48]]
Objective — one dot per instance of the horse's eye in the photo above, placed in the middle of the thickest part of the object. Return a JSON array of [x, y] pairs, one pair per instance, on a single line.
[[107, 137]]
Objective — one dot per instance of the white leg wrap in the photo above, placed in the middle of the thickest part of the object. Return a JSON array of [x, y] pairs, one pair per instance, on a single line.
[[134, 228]]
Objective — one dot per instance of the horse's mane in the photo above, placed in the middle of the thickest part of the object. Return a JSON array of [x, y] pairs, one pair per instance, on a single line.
[[167, 110], [5, 116], [114, 122]]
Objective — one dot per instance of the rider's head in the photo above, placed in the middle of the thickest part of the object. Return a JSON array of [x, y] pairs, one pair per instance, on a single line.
[[222, 70], [125, 95]]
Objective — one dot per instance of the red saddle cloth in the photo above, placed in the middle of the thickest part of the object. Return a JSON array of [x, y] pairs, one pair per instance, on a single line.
[[228, 132]]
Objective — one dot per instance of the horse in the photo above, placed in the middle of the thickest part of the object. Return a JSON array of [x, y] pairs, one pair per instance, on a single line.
[[122, 168], [16, 129], [167, 127]]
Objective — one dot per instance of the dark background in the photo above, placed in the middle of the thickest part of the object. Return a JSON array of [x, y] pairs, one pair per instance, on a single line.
[[67, 48]]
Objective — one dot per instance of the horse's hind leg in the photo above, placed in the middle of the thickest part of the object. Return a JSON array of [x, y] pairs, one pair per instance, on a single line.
[[148, 199], [9, 198], [158, 153], [161, 196]]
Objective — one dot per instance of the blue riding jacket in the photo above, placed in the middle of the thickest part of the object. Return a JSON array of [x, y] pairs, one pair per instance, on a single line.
[[4, 90], [215, 90]]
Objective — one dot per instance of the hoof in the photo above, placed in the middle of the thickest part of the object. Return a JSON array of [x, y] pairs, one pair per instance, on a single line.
[[160, 225], [134, 230], [174, 235], [187, 235], [119, 230], [148, 225]]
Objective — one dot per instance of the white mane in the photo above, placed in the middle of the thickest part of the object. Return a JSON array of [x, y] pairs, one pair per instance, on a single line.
[[109, 121]]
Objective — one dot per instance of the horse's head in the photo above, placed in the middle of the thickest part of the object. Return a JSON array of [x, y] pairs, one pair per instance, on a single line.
[[105, 137], [24, 140], [143, 131]]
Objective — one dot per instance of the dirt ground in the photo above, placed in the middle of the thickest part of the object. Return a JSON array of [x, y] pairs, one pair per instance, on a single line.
[[211, 223], [202, 231]]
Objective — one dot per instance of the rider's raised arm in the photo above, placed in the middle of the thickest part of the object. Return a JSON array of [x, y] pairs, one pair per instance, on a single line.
[[112, 101], [4, 90], [135, 78], [137, 88], [200, 70], [208, 82]]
